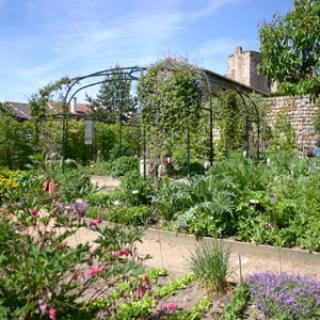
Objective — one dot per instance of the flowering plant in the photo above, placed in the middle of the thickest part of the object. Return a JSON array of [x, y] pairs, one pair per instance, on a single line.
[[286, 296], [46, 269]]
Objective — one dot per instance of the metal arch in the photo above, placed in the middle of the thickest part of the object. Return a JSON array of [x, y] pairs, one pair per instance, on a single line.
[[257, 119], [210, 116], [128, 74]]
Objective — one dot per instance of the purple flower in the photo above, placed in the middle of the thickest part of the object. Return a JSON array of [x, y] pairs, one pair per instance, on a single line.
[[79, 207], [285, 295]]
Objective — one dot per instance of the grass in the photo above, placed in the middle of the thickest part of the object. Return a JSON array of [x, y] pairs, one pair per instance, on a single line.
[[210, 267]]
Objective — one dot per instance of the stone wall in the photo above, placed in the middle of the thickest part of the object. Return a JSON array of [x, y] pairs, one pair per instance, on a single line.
[[301, 112], [242, 67]]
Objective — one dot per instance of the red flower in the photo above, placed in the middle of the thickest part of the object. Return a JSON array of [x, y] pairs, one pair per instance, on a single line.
[[52, 313], [117, 254], [95, 271], [95, 222], [169, 307]]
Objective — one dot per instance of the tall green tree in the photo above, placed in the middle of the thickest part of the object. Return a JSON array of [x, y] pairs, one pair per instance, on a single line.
[[15, 140], [114, 102], [290, 47]]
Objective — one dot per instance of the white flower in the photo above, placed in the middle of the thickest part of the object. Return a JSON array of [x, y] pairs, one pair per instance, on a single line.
[[135, 191], [117, 203]]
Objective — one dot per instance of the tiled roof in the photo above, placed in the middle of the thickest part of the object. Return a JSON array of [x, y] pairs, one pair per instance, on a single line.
[[22, 110], [83, 108]]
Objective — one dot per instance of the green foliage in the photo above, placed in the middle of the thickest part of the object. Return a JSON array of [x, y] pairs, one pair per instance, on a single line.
[[210, 266], [135, 309], [171, 94], [270, 203], [171, 287], [236, 306], [130, 216], [196, 313], [40, 271], [113, 103], [19, 135], [99, 199], [233, 117], [290, 47], [283, 135], [73, 184], [136, 189], [238, 119], [123, 165], [196, 204]]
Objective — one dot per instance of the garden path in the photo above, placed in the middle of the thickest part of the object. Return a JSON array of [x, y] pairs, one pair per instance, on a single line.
[[106, 183], [175, 256]]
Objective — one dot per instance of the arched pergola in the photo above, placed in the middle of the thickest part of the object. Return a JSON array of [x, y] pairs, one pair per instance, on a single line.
[[214, 82]]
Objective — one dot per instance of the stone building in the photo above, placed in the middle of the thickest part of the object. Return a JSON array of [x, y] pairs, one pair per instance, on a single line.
[[242, 67]]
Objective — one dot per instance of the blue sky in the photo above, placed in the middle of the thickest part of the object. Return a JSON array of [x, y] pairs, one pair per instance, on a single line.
[[43, 40]]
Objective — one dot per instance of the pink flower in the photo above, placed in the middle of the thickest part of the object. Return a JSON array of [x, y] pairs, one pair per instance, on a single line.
[[52, 313], [74, 277], [42, 307], [117, 254], [95, 271], [49, 294], [95, 222], [169, 307], [34, 212], [62, 246], [82, 276]]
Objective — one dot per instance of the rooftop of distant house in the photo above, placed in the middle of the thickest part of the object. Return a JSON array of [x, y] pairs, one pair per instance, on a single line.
[[21, 111]]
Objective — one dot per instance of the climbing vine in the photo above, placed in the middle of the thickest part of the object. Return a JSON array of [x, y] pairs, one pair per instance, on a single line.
[[239, 119], [171, 95]]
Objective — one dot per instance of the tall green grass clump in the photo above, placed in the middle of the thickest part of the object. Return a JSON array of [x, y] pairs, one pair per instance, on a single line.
[[210, 266]]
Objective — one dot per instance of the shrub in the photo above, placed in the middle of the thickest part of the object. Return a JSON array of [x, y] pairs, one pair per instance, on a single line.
[[41, 276], [99, 199], [73, 184], [194, 169], [285, 296], [130, 216], [102, 168], [123, 165], [136, 190], [210, 266]]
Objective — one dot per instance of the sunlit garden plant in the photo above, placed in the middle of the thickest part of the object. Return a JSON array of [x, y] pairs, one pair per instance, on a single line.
[[45, 275], [285, 296]]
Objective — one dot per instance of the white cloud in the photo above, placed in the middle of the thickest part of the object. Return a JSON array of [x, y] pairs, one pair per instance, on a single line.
[[86, 36]]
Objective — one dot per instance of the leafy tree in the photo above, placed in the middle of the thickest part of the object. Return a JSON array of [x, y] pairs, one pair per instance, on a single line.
[[114, 103], [290, 48], [15, 140]]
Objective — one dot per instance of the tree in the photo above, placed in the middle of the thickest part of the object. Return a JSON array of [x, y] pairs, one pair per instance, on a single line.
[[113, 103], [290, 47]]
